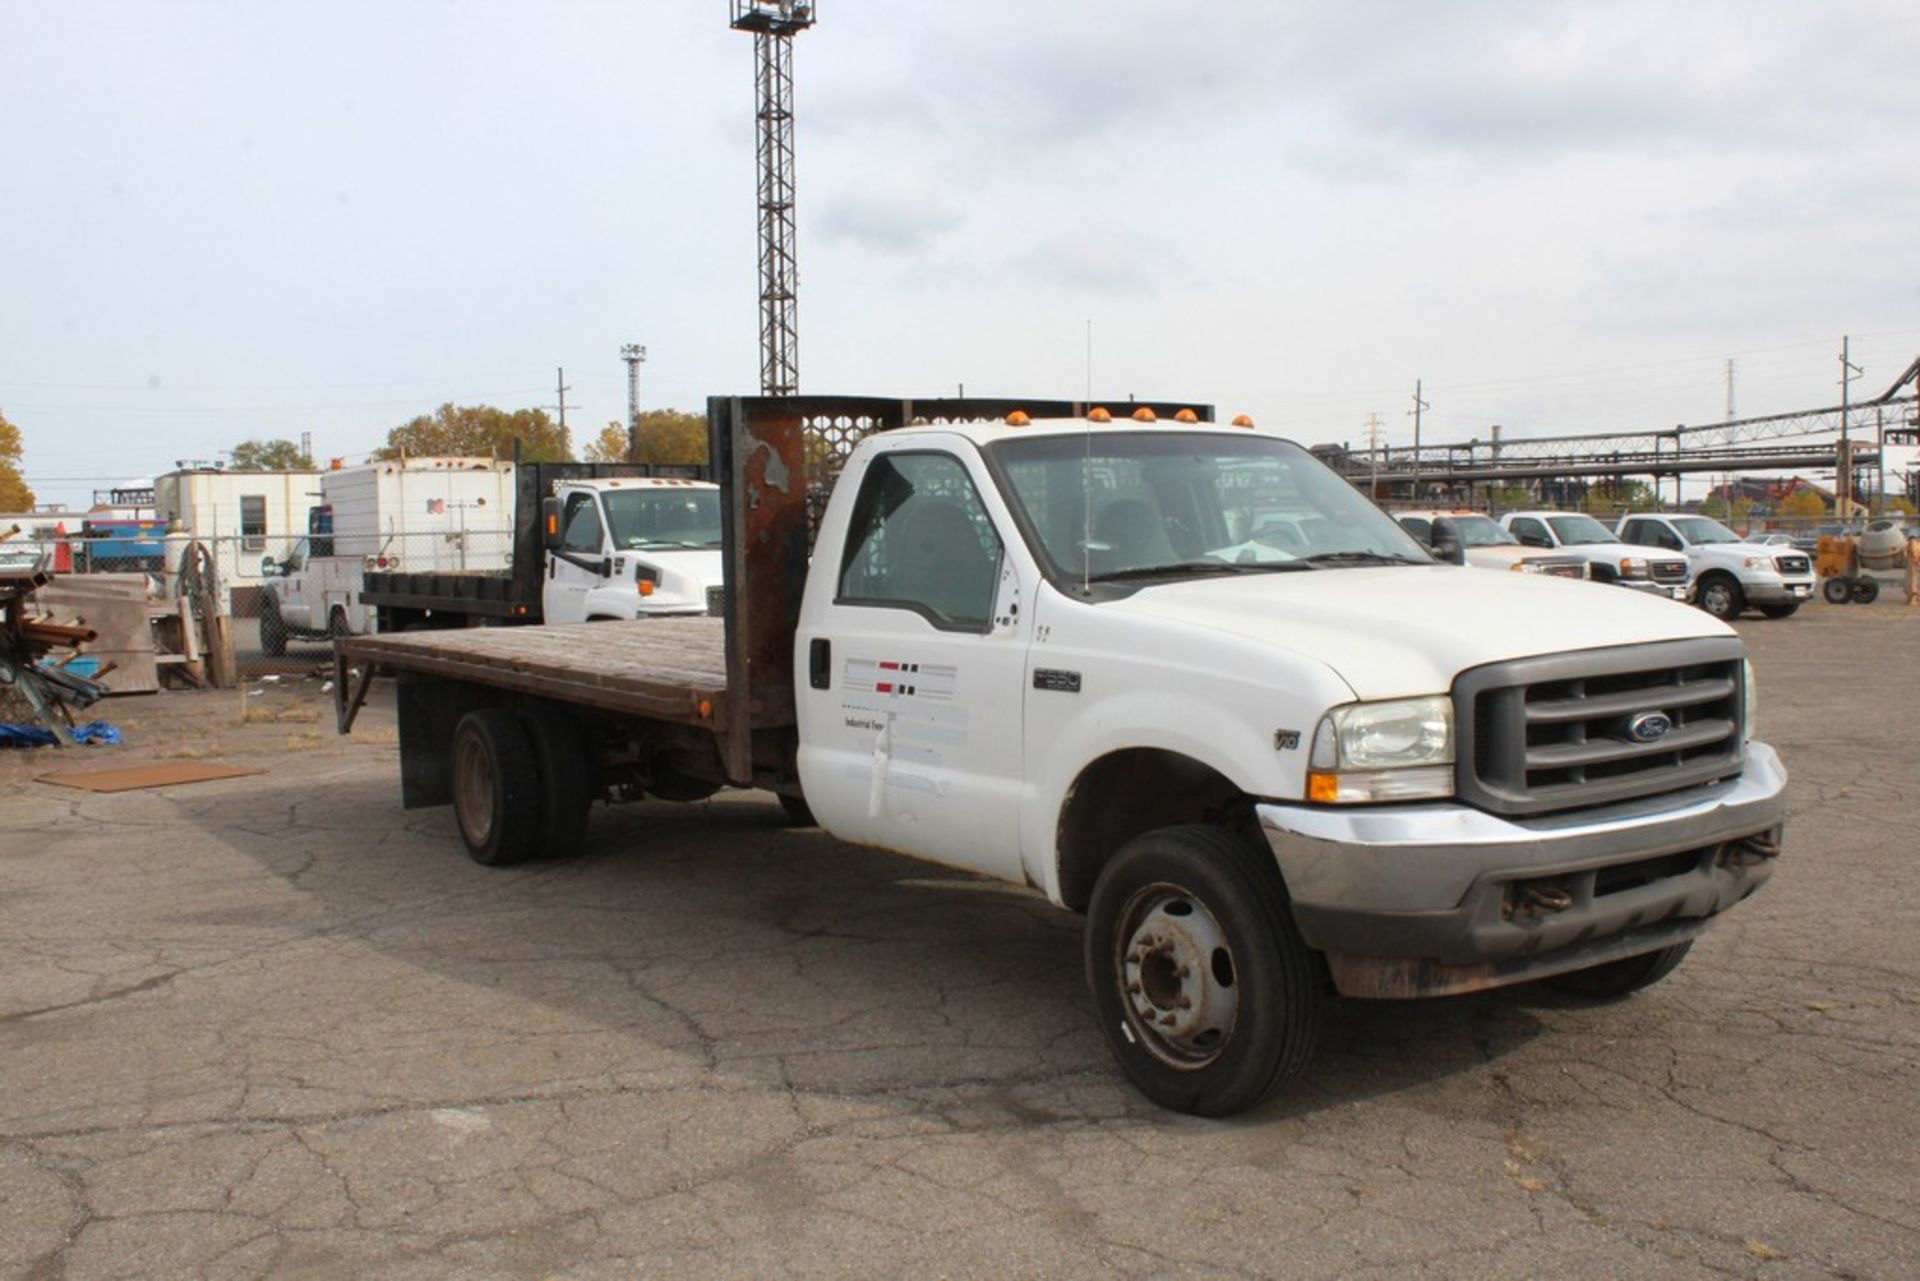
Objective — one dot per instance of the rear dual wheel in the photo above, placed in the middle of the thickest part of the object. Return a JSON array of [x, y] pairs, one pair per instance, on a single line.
[[522, 784]]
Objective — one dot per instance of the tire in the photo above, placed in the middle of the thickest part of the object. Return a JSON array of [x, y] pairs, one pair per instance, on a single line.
[[496, 787], [1836, 591], [1206, 995], [1615, 979], [1721, 596], [799, 813], [1866, 591], [567, 781], [1786, 609], [273, 629]]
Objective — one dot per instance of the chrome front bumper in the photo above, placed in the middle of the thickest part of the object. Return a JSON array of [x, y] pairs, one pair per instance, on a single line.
[[1429, 899]]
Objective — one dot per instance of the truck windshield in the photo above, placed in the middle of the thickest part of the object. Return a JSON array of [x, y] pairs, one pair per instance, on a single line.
[[1481, 531], [668, 517], [1698, 529], [1580, 529], [1113, 505]]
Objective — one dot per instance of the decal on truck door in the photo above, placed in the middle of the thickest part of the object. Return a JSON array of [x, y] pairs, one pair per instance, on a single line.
[[912, 710]]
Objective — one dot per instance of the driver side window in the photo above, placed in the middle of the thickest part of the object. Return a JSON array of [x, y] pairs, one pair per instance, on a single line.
[[581, 524], [921, 539]]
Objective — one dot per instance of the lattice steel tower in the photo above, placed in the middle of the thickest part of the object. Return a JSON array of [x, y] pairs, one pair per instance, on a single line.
[[774, 23]]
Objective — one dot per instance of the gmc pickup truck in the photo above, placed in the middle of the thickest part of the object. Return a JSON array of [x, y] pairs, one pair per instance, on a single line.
[[1176, 676]]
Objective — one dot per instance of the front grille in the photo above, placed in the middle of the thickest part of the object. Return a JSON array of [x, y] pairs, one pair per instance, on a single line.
[[716, 601], [1793, 566], [1669, 571], [1552, 733]]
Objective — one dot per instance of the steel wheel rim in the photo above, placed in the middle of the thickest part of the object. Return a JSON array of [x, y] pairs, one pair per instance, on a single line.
[[1719, 599], [473, 790], [1179, 985]]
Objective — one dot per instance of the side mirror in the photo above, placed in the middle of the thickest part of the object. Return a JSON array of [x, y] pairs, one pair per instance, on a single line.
[[1448, 547], [270, 568], [549, 523], [1535, 540]]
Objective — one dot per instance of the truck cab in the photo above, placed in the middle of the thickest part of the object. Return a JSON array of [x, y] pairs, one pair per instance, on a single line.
[[629, 548], [1729, 575], [1608, 559]]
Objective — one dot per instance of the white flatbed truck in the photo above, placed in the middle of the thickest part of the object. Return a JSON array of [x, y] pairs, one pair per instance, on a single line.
[[1057, 650]]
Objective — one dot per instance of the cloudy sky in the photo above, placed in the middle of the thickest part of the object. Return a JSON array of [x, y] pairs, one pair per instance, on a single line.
[[232, 220]]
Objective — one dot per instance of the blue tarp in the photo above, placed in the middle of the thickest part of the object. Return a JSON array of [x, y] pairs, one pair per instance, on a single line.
[[35, 736]]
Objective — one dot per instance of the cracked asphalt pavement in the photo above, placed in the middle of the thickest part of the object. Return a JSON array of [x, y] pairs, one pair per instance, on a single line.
[[277, 1026]]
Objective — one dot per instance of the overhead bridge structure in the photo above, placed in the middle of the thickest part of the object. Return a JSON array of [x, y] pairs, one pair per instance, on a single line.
[[1809, 440]]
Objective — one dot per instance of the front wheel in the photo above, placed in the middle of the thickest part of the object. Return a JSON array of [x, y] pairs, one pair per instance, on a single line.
[[1205, 992], [1615, 979], [1785, 609], [1836, 591], [273, 629], [1721, 596]]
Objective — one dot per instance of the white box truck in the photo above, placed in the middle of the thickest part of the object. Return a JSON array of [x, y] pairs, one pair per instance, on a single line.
[[426, 514]]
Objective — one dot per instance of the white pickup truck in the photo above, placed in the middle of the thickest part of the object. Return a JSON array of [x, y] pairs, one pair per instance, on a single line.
[[1728, 573], [1608, 559], [1071, 652]]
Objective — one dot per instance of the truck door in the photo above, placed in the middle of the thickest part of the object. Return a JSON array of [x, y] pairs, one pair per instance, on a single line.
[[583, 533], [911, 675]]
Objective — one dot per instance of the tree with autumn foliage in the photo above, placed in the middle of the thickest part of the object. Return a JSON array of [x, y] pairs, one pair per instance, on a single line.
[[480, 430], [666, 436], [14, 494], [269, 455]]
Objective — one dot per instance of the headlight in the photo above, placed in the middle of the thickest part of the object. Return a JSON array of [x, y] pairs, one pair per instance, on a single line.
[[1528, 567], [1752, 702], [1399, 750], [1633, 567], [1756, 562]]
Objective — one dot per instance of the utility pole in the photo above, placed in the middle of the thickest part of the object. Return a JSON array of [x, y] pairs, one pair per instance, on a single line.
[[561, 389], [1419, 405], [1843, 486], [635, 355], [774, 23], [1374, 432]]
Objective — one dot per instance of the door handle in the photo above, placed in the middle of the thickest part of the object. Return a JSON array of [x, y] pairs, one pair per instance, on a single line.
[[820, 663]]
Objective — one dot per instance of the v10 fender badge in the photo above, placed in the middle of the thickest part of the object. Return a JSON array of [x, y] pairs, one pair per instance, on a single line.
[[1286, 740], [1649, 727]]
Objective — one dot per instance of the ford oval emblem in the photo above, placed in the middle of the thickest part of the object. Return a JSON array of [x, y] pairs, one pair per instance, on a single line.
[[1649, 727]]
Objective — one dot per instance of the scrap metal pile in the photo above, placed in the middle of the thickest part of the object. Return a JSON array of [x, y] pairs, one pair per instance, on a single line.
[[36, 652]]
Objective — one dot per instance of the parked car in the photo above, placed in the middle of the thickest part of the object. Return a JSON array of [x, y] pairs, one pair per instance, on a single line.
[[1483, 544]]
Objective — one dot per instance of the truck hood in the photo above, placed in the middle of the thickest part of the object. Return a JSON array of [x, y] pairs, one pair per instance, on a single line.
[[1399, 631]]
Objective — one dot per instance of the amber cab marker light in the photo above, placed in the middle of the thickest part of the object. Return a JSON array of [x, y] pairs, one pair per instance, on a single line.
[[1186, 416], [1099, 415], [1242, 420], [1144, 415], [1018, 418]]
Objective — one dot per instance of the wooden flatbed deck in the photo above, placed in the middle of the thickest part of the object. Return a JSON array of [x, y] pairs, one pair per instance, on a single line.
[[666, 668]]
